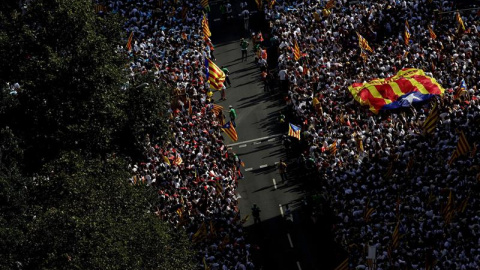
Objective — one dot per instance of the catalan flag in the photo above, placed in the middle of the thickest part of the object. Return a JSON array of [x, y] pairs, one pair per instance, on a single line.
[[216, 109], [461, 90], [271, 3], [178, 159], [454, 156], [463, 147], [432, 34], [129, 42], [461, 25], [296, 51], [214, 74], [396, 236], [259, 4], [410, 85], [463, 204], [205, 27], [205, 266], [407, 34], [343, 265], [368, 213], [332, 149], [230, 131], [363, 55], [362, 43], [330, 4], [294, 131], [100, 8], [448, 211], [474, 150], [432, 119], [204, 3]]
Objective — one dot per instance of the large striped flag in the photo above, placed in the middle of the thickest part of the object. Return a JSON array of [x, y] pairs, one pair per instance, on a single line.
[[129, 42], [294, 131], [432, 119], [432, 34], [448, 211], [343, 265], [410, 85], [330, 4], [296, 51], [214, 74], [205, 27], [230, 131], [461, 89], [407, 33], [461, 25], [362, 43]]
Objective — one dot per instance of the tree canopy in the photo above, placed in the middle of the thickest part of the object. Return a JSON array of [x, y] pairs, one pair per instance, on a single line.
[[69, 120]]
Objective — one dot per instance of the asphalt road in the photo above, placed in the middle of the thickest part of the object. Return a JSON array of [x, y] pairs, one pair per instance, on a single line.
[[285, 237]]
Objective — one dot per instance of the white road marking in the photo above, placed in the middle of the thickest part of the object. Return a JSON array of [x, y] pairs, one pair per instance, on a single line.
[[248, 169], [271, 140], [276, 163], [254, 143], [241, 146], [216, 20], [274, 183], [254, 140], [281, 209], [298, 265], [263, 166], [290, 240]]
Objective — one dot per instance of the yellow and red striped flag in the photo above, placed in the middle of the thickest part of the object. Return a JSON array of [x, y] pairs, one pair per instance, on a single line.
[[330, 4], [216, 109], [129, 42], [432, 34], [463, 147], [333, 148], [432, 119], [396, 236], [343, 265], [205, 27], [362, 43], [294, 131], [474, 150], [461, 25], [407, 33], [448, 211], [204, 3], [178, 159], [272, 2], [296, 51], [461, 89], [215, 76], [463, 204], [230, 131]]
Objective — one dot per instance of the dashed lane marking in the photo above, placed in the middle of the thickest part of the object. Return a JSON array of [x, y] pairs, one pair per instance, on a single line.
[[241, 146], [281, 209], [274, 183], [255, 143], [298, 265], [271, 140], [254, 140], [216, 20], [263, 166], [248, 169], [290, 240]]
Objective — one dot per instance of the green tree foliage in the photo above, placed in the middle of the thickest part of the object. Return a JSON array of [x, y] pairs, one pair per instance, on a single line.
[[85, 215], [66, 59]]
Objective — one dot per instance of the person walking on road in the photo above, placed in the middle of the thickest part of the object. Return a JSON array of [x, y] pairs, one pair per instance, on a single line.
[[233, 115], [282, 169], [227, 73], [256, 214], [246, 20], [244, 45]]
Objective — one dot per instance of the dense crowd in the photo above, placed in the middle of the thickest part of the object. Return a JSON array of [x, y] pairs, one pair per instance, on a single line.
[[194, 174], [385, 162]]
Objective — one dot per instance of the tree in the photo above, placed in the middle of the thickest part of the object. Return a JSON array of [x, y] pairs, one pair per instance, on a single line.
[[85, 215]]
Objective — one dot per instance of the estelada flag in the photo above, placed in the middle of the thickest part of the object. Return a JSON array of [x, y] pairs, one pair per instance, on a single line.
[[294, 131], [408, 86], [214, 74], [230, 131], [129, 42]]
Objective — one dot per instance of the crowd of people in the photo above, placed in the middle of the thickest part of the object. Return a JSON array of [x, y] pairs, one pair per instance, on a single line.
[[385, 172], [194, 174]]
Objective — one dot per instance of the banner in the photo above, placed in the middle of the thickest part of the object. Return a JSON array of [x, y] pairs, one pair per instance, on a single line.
[[408, 86]]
